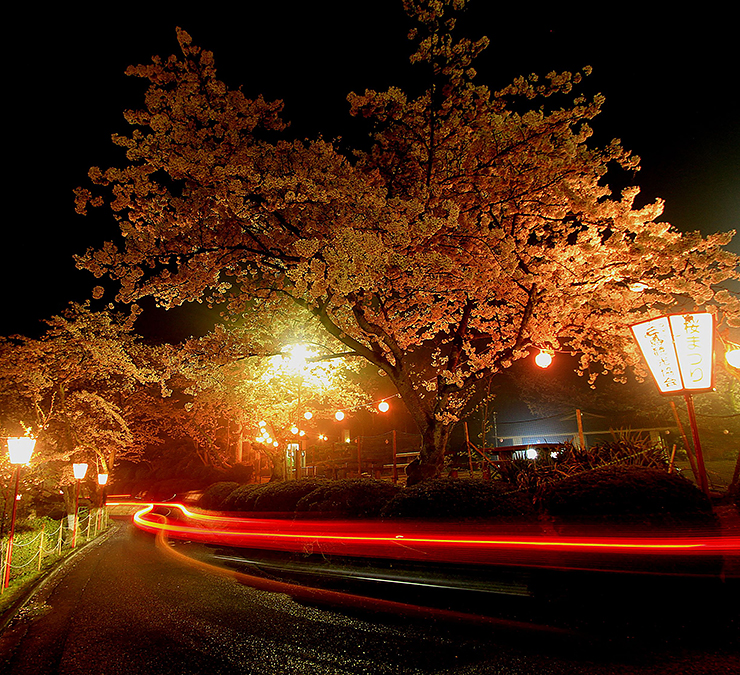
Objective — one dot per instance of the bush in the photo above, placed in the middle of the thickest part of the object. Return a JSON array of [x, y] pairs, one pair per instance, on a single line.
[[460, 498], [629, 495], [215, 496], [284, 495], [243, 498], [566, 459], [362, 497]]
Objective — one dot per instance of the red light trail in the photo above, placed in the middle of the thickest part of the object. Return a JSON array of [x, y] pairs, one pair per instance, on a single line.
[[428, 542]]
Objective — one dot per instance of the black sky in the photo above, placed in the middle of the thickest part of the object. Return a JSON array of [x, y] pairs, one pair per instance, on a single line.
[[669, 80]]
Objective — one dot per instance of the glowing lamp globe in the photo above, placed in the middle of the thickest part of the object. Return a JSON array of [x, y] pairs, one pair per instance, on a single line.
[[293, 430], [733, 357], [79, 470], [384, 406], [308, 414], [543, 359], [102, 478], [339, 415], [21, 449]]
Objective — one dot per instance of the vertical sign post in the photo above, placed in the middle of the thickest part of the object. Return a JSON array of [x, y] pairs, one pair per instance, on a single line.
[[679, 350]]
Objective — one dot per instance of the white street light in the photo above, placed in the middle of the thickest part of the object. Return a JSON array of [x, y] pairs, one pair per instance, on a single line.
[[79, 470], [19, 452]]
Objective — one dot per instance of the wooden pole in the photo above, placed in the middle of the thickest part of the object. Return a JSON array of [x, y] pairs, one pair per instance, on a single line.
[[689, 454], [673, 457], [470, 454], [703, 482], [61, 536], [736, 474], [580, 429], [359, 456], [6, 580], [41, 544], [395, 457]]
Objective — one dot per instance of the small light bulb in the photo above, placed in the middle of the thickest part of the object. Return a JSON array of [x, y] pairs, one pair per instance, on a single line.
[[543, 359], [384, 406], [733, 357], [339, 415]]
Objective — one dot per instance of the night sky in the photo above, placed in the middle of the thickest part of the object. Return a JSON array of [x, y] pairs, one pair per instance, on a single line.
[[669, 82]]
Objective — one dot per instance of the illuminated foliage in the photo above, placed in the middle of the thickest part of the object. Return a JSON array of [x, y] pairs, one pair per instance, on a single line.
[[477, 227], [76, 389], [272, 371]]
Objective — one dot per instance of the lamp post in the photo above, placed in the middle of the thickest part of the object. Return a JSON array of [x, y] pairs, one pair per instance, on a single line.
[[79, 471], [102, 482], [679, 350], [19, 451]]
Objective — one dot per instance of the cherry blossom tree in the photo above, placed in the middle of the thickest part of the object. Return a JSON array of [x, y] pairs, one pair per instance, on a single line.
[[274, 379], [478, 227], [72, 389]]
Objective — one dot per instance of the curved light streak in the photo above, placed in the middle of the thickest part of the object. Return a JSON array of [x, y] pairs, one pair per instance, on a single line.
[[422, 541]]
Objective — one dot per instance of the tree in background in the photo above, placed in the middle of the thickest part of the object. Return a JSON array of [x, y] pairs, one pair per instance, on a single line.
[[73, 388], [275, 373], [478, 227]]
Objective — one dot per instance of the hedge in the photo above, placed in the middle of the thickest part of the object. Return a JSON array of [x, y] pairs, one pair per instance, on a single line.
[[214, 498], [364, 498], [460, 498], [284, 495], [628, 495]]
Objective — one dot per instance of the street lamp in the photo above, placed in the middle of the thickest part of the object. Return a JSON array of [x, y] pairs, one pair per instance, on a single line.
[[679, 350], [19, 451], [102, 482], [79, 471]]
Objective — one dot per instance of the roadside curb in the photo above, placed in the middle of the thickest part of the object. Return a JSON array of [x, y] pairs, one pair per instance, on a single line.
[[37, 585]]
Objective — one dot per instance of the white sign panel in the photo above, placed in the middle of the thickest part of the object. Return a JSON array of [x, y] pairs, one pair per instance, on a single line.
[[679, 351], [656, 343], [693, 335]]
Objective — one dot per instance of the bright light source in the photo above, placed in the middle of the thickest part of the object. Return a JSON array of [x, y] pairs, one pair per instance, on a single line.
[[678, 350], [308, 414], [339, 415], [732, 356], [531, 453], [384, 406], [102, 478], [637, 286], [294, 429], [262, 424], [275, 443], [21, 449], [79, 470], [301, 433], [544, 358]]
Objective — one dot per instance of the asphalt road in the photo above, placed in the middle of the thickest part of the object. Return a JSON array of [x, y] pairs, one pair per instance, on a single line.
[[128, 605]]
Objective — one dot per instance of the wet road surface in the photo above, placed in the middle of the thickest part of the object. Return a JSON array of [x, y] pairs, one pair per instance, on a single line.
[[128, 606]]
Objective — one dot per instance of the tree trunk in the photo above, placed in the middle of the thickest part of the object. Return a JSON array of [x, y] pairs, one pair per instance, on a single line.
[[432, 455]]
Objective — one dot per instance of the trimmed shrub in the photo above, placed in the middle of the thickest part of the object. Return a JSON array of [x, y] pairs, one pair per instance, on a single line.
[[363, 497], [634, 496], [215, 496], [284, 495], [243, 498], [566, 459], [460, 498]]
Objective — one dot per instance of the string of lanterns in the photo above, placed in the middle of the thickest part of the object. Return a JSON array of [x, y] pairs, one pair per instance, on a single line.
[[264, 436]]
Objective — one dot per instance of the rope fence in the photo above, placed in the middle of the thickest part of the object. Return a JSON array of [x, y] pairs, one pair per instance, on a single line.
[[32, 549]]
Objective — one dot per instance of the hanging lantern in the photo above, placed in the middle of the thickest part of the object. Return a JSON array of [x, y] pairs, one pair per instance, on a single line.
[[544, 358]]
